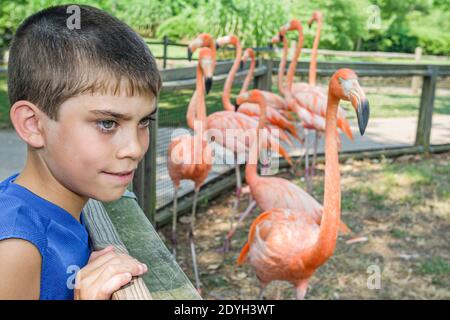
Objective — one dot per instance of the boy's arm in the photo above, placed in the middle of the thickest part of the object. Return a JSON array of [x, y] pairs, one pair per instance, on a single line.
[[20, 269]]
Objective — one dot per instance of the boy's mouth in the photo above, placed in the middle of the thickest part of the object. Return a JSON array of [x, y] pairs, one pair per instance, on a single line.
[[123, 176]]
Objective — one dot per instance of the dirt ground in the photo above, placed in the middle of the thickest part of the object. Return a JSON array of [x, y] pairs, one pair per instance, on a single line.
[[398, 208]]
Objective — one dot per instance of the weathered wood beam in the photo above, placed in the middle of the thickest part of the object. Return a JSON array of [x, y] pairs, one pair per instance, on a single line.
[[425, 121], [164, 279], [102, 234]]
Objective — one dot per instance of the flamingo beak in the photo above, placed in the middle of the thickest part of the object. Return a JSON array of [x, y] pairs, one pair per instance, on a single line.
[[361, 106], [241, 65], [281, 37], [208, 84], [217, 46], [363, 112], [189, 54]]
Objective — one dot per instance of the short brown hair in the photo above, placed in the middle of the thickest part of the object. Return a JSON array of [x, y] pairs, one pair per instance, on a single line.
[[50, 62]]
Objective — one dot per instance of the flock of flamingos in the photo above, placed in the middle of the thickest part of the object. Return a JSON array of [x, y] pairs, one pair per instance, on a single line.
[[295, 234]]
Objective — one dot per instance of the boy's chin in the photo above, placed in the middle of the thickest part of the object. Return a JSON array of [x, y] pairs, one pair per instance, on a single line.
[[109, 197]]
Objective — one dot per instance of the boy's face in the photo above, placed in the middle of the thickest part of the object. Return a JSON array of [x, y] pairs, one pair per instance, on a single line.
[[86, 148]]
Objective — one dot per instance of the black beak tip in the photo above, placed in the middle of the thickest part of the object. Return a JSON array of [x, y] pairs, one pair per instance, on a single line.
[[208, 84], [241, 65], [363, 116], [236, 105], [189, 55], [281, 37], [217, 46]]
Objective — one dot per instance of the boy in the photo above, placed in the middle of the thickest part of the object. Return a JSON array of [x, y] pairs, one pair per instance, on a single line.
[[82, 99]]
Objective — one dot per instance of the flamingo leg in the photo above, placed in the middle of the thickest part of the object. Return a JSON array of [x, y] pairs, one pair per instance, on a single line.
[[191, 240], [300, 290], [262, 288], [298, 163], [227, 242], [238, 188], [316, 142], [307, 173], [173, 237]]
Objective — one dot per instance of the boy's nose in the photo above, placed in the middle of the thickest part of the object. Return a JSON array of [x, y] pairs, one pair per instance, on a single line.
[[133, 147]]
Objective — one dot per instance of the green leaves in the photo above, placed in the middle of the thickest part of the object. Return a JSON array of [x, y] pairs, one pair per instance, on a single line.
[[404, 24]]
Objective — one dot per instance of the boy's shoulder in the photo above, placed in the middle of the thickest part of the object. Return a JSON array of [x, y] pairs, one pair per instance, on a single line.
[[18, 218]]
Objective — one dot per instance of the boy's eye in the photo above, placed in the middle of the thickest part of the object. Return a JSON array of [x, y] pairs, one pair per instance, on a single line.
[[146, 121], [106, 125]]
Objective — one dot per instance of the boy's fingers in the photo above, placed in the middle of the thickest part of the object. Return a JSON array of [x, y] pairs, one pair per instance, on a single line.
[[96, 254], [95, 279], [106, 258], [113, 284], [108, 279]]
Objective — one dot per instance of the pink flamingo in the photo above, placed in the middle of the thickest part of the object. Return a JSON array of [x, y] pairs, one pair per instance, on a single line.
[[309, 120], [203, 40], [289, 245], [274, 192], [190, 157], [239, 120], [274, 117], [308, 95]]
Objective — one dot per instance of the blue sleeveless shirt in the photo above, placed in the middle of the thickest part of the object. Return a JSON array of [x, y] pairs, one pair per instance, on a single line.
[[62, 241]]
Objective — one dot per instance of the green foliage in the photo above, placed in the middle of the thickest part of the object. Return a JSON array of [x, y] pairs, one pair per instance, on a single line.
[[404, 24], [255, 22]]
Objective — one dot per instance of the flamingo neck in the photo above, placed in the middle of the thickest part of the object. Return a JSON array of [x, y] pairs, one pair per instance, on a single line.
[[200, 103], [229, 82], [190, 114], [313, 64], [282, 67], [212, 46], [249, 76], [251, 169], [329, 226], [293, 65]]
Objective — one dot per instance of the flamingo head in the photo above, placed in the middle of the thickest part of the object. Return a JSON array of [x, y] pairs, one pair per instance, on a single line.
[[249, 53], [205, 61], [316, 16], [227, 40], [290, 26], [344, 85], [202, 40], [277, 39], [252, 96]]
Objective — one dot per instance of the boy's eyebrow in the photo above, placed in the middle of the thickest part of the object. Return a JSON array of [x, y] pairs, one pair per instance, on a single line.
[[120, 116]]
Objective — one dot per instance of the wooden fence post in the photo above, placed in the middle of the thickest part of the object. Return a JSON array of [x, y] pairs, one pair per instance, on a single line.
[[264, 82], [149, 205], [425, 121], [415, 82], [138, 182], [166, 44]]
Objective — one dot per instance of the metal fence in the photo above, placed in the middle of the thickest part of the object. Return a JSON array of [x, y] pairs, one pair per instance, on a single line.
[[152, 184]]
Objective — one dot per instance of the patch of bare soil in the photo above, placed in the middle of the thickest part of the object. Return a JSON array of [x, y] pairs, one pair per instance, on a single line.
[[398, 210]]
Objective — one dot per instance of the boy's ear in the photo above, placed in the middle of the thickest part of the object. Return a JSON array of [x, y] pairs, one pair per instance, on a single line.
[[27, 120]]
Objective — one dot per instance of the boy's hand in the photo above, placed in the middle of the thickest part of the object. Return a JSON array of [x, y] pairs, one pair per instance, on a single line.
[[106, 272]]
